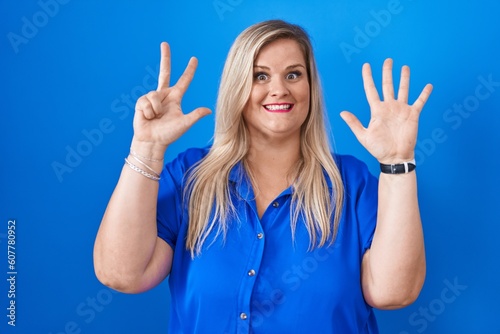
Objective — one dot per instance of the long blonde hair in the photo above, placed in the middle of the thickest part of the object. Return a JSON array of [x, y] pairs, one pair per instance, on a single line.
[[208, 190]]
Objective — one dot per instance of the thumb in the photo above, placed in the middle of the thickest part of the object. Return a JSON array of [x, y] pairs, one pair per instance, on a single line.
[[195, 115], [353, 123]]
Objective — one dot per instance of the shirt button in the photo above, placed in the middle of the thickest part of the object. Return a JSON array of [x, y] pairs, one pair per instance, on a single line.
[[243, 316], [276, 204], [251, 272], [260, 235]]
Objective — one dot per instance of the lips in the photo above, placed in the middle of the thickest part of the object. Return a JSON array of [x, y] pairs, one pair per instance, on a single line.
[[278, 107]]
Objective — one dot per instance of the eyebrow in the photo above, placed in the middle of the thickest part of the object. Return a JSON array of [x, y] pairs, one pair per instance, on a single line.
[[287, 68]]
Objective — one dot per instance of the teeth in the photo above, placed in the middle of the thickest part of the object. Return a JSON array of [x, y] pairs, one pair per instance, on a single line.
[[278, 106]]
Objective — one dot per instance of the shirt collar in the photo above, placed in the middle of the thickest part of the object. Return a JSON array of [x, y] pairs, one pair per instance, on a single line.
[[239, 178]]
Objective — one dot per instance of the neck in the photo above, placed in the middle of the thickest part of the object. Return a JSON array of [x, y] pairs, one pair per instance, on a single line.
[[273, 158], [272, 169]]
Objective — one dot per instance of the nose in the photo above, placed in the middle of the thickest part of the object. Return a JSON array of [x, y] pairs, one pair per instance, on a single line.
[[278, 88]]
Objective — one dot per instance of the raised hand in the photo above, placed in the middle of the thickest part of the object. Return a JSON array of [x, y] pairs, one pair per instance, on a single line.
[[391, 135], [159, 119]]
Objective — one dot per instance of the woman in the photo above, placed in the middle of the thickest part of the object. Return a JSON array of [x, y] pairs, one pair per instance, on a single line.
[[267, 231]]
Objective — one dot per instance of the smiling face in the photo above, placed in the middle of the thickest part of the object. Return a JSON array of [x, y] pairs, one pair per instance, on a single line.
[[279, 101]]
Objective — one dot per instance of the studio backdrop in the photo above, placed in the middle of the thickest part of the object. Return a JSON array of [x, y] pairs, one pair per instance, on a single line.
[[72, 70]]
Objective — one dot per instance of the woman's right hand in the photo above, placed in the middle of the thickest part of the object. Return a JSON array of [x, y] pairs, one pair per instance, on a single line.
[[158, 119]]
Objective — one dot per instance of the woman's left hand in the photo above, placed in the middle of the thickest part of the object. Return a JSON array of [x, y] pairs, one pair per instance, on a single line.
[[391, 135]]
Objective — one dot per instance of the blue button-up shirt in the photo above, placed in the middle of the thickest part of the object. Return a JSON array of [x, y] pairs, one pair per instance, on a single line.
[[260, 280]]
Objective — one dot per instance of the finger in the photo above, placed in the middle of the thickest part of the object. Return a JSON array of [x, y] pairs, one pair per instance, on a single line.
[[354, 124], [154, 99], [144, 106], [164, 75], [186, 77], [195, 115], [404, 84], [423, 97], [387, 83], [369, 85]]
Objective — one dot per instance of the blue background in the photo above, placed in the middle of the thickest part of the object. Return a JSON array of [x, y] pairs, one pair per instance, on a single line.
[[71, 70]]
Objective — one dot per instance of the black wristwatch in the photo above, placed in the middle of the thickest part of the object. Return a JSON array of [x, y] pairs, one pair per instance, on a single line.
[[403, 168]]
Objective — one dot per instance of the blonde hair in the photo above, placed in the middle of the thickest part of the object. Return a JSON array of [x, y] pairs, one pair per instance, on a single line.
[[208, 190]]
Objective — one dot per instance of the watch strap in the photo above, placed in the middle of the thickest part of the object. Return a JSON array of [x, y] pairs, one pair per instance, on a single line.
[[401, 168]]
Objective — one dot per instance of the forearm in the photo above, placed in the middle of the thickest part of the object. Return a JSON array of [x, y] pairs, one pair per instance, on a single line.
[[397, 256], [127, 236]]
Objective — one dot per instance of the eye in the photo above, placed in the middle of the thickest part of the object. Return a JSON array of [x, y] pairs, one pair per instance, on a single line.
[[294, 75], [260, 76]]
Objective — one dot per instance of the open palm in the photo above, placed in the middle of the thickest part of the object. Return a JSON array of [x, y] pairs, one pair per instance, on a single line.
[[391, 134]]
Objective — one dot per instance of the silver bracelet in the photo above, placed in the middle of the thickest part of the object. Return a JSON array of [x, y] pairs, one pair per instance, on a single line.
[[143, 172], [133, 153], [146, 165]]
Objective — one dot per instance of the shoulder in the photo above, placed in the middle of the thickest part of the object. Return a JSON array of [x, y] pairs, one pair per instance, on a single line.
[[349, 164], [352, 169], [188, 158]]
